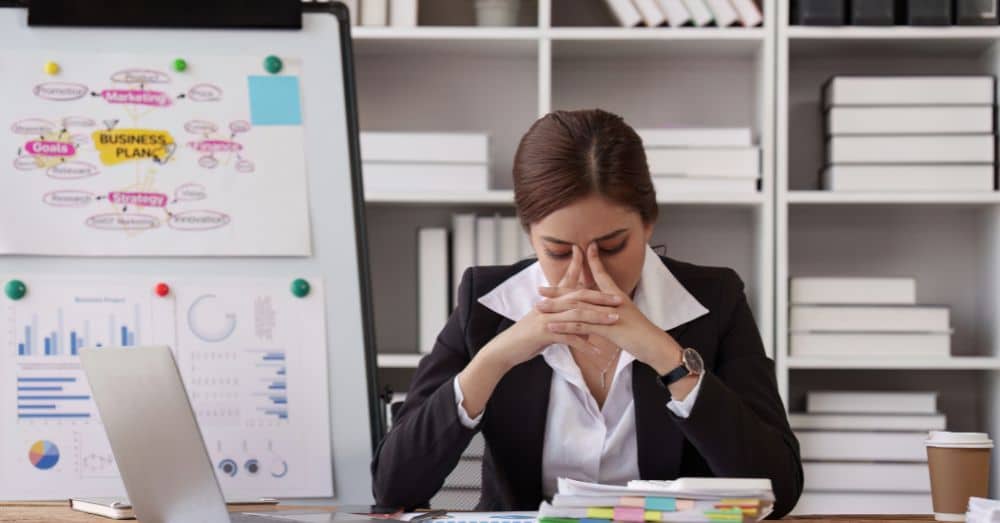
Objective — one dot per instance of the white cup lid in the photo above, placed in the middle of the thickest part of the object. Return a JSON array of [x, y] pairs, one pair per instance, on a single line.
[[976, 440]]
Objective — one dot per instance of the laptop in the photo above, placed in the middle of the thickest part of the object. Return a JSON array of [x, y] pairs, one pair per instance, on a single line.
[[156, 440]]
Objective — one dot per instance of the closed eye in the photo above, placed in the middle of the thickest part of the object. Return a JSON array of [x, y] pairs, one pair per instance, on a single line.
[[614, 250]]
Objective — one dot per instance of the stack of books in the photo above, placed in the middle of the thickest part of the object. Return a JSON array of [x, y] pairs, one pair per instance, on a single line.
[[681, 500], [909, 133], [681, 13], [475, 240], [863, 452], [864, 318], [425, 162], [701, 160]]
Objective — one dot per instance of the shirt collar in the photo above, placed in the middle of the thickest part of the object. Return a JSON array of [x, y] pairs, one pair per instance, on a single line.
[[659, 295]]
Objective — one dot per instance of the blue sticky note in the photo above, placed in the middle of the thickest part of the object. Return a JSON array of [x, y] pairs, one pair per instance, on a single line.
[[274, 100]]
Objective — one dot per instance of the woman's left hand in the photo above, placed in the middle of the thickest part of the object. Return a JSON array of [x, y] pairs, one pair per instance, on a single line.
[[633, 332]]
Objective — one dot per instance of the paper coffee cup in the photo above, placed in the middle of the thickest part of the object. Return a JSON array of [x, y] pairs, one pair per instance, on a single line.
[[959, 464]]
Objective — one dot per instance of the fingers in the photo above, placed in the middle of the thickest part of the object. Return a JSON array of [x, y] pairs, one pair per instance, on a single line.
[[567, 304], [578, 328], [583, 315], [604, 280], [582, 295], [572, 276]]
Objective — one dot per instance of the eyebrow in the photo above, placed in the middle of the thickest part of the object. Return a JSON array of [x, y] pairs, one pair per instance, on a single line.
[[607, 236]]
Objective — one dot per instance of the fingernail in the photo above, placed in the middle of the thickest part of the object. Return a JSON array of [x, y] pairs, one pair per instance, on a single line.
[[616, 298], [613, 317]]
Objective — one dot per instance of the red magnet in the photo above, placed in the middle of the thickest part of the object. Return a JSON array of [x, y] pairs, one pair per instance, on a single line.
[[162, 289]]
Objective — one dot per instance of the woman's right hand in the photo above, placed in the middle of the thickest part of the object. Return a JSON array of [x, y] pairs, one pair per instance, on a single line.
[[530, 335]]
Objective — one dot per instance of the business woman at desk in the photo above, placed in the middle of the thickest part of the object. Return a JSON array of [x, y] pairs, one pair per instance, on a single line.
[[600, 361]]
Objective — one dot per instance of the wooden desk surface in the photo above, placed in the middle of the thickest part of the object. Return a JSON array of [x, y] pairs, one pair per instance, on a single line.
[[59, 512], [53, 512]]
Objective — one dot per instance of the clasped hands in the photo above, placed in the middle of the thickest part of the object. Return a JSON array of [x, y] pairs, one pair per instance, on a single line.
[[571, 315]]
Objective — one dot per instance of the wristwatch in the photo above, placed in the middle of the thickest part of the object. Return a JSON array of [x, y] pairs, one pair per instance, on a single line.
[[691, 364]]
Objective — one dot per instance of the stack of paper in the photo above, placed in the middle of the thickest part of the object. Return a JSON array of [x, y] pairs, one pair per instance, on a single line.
[[909, 133], [834, 317], [701, 160], [681, 500], [425, 162], [865, 449], [983, 510]]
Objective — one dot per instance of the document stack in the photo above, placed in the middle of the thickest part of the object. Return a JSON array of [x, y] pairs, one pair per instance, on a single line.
[[982, 510], [909, 133], [864, 318], [863, 452], [425, 162], [681, 500], [701, 160]]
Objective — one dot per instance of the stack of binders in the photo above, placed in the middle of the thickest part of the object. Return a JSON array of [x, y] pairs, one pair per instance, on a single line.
[[863, 452], [909, 133], [701, 160], [475, 240], [680, 13], [842, 318], [425, 162]]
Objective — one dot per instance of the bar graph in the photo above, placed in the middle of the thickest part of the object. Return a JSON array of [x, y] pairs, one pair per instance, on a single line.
[[43, 397], [273, 383], [58, 340]]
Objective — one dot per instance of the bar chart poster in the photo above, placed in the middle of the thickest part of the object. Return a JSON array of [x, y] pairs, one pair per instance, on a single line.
[[251, 354], [53, 441], [254, 361]]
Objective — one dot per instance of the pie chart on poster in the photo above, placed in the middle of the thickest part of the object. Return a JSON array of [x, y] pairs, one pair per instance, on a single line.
[[43, 454]]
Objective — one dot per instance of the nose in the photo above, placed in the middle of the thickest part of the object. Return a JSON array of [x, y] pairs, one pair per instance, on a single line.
[[586, 277]]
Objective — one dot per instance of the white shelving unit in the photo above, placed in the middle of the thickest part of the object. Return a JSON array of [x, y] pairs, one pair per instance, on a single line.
[[499, 80], [569, 56], [949, 242]]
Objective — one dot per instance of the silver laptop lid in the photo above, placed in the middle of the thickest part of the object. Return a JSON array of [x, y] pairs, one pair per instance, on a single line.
[[154, 435]]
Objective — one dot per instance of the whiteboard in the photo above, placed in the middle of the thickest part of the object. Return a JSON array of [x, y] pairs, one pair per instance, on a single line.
[[335, 203]]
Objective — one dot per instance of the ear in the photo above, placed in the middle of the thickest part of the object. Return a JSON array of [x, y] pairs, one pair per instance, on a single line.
[[647, 231]]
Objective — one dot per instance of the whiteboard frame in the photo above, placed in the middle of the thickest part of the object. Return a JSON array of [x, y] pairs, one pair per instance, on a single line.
[[340, 11]]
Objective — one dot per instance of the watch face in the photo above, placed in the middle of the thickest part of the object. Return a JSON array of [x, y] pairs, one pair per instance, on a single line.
[[693, 361]]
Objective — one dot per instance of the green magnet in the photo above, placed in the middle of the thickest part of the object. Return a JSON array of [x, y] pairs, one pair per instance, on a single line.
[[180, 65], [15, 289], [272, 64], [300, 288]]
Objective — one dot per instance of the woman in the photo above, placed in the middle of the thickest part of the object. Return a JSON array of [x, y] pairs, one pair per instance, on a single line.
[[600, 361]]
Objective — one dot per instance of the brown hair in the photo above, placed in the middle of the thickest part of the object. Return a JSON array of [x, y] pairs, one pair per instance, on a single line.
[[568, 155]]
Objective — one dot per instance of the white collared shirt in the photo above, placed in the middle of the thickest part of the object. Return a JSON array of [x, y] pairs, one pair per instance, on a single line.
[[584, 441]]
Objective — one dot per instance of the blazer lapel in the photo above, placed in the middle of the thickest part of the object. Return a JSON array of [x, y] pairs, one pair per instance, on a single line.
[[658, 439]]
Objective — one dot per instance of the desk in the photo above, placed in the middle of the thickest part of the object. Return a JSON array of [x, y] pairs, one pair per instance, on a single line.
[[59, 512], [52, 512]]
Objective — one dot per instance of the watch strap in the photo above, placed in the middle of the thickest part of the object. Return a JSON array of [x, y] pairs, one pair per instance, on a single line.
[[674, 376]]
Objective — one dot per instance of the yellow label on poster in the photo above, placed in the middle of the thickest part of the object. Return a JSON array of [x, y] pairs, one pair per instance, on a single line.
[[123, 145]]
